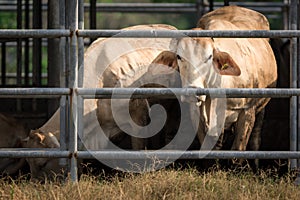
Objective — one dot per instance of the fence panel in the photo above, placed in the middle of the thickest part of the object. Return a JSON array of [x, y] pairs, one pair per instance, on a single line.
[[71, 35]]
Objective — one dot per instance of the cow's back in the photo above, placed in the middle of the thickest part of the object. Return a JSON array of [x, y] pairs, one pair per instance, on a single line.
[[244, 18], [120, 62]]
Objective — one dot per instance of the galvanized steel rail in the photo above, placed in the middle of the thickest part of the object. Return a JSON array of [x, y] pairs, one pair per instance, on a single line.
[[55, 33], [143, 154], [190, 33], [103, 93], [92, 93]]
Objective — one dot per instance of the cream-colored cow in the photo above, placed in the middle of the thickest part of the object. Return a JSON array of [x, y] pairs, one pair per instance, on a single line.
[[119, 62], [227, 63]]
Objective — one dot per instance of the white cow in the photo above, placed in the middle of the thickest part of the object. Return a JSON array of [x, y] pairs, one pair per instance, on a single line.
[[227, 63], [119, 62]]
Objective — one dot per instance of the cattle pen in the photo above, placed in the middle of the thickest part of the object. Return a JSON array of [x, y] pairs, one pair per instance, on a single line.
[[66, 37]]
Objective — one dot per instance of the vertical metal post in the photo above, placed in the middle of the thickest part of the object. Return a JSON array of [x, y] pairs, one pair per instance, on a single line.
[[65, 74], [93, 18], [37, 47], [298, 84], [72, 13], [200, 8], [80, 42], [285, 15], [293, 84], [80, 71], [19, 54], [211, 5], [19, 45], [62, 81], [54, 57], [226, 2], [3, 63], [26, 50]]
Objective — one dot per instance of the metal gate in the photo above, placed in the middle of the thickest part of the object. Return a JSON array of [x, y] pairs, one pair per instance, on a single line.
[[70, 57]]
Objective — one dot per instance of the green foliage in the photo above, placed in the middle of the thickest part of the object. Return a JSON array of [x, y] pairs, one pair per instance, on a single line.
[[8, 20]]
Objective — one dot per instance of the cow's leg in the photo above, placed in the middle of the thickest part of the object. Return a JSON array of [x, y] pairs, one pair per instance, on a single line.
[[220, 141], [139, 111], [255, 138], [209, 142], [201, 133], [244, 126]]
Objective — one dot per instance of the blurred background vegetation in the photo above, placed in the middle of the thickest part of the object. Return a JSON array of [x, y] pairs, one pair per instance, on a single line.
[[110, 20], [179, 20]]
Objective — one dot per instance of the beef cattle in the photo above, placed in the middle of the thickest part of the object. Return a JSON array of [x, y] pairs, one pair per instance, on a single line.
[[43, 168], [126, 63], [12, 133], [228, 63], [119, 62]]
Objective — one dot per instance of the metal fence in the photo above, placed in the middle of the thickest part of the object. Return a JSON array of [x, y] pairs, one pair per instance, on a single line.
[[71, 50]]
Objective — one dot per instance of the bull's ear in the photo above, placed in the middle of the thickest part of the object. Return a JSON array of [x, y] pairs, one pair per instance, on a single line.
[[164, 63], [37, 135], [224, 64]]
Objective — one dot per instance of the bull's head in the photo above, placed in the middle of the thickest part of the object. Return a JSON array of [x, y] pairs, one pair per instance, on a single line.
[[199, 62], [202, 65], [42, 168]]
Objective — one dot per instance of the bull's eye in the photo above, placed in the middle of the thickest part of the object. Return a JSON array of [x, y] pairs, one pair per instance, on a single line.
[[178, 57], [209, 57]]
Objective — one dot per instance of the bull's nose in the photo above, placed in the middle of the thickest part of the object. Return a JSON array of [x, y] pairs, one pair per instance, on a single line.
[[189, 98]]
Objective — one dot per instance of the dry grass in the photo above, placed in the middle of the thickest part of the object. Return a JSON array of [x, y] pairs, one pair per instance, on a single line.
[[163, 184]]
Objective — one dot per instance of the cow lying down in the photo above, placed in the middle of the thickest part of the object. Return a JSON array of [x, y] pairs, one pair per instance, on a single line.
[[43, 168], [119, 62]]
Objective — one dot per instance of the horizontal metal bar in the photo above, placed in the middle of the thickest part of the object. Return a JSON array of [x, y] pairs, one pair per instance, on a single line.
[[92, 93], [33, 92], [190, 33], [174, 154], [99, 93], [33, 153], [34, 33], [42, 33], [160, 154]]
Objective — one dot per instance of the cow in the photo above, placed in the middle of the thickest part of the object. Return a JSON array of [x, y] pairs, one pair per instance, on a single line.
[[12, 133], [43, 168], [115, 62], [227, 63]]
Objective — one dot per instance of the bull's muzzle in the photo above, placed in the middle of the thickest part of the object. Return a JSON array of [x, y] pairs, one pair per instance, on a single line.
[[198, 100]]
